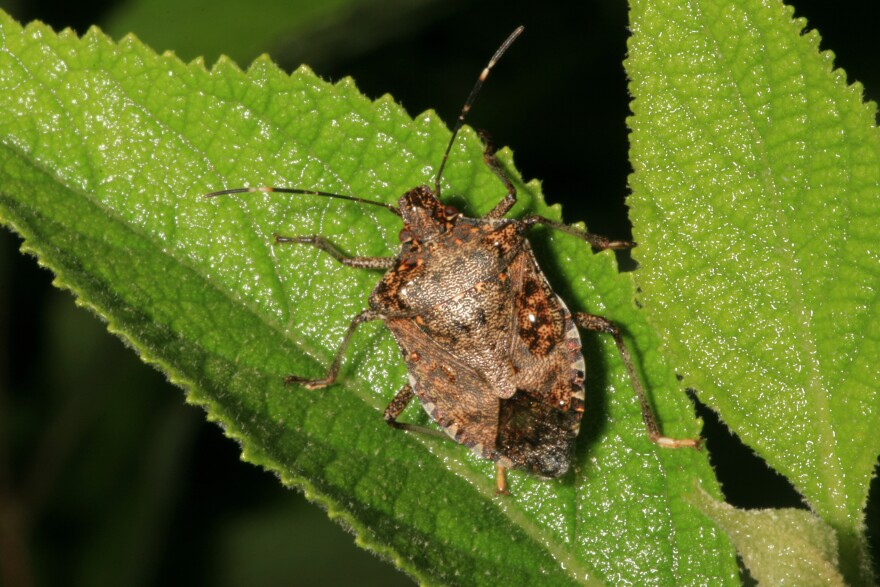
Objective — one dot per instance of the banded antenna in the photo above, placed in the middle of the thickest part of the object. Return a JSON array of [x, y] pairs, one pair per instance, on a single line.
[[458, 124], [269, 190], [470, 101]]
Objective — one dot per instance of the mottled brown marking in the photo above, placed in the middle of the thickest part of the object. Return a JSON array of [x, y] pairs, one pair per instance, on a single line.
[[504, 240], [539, 316]]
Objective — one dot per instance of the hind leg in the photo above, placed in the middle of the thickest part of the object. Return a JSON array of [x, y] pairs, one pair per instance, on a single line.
[[600, 324], [396, 407]]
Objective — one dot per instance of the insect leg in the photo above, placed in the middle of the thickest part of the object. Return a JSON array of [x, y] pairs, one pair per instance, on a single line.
[[396, 407], [319, 242], [504, 206], [333, 371], [600, 324], [595, 240], [501, 480]]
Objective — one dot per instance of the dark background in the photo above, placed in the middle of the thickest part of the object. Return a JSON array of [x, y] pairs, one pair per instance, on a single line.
[[99, 487]]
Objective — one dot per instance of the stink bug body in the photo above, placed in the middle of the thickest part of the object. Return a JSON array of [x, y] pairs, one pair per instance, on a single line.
[[492, 353]]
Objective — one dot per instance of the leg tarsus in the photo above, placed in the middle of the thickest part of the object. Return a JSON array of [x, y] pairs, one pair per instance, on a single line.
[[600, 324], [667, 442], [321, 243], [501, 480]]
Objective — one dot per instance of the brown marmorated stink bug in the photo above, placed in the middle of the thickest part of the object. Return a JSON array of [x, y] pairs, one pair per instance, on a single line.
[[491, 351]]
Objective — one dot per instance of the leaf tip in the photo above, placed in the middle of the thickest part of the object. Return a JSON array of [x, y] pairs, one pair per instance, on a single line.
[[226, 65], [304, 70], [262, 60], [198, 63]]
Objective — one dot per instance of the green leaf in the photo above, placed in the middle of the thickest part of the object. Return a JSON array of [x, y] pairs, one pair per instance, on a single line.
[[242, 31], [779, 547], [106, 152], [755, 199]]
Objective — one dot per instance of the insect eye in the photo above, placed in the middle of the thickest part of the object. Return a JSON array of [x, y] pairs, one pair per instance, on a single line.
[[405, 236], [451, 212]]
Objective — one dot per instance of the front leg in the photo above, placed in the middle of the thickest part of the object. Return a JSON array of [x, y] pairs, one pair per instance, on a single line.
[[509, 201], [321, 243], [504, 206], [595, 240], [501, 480]]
